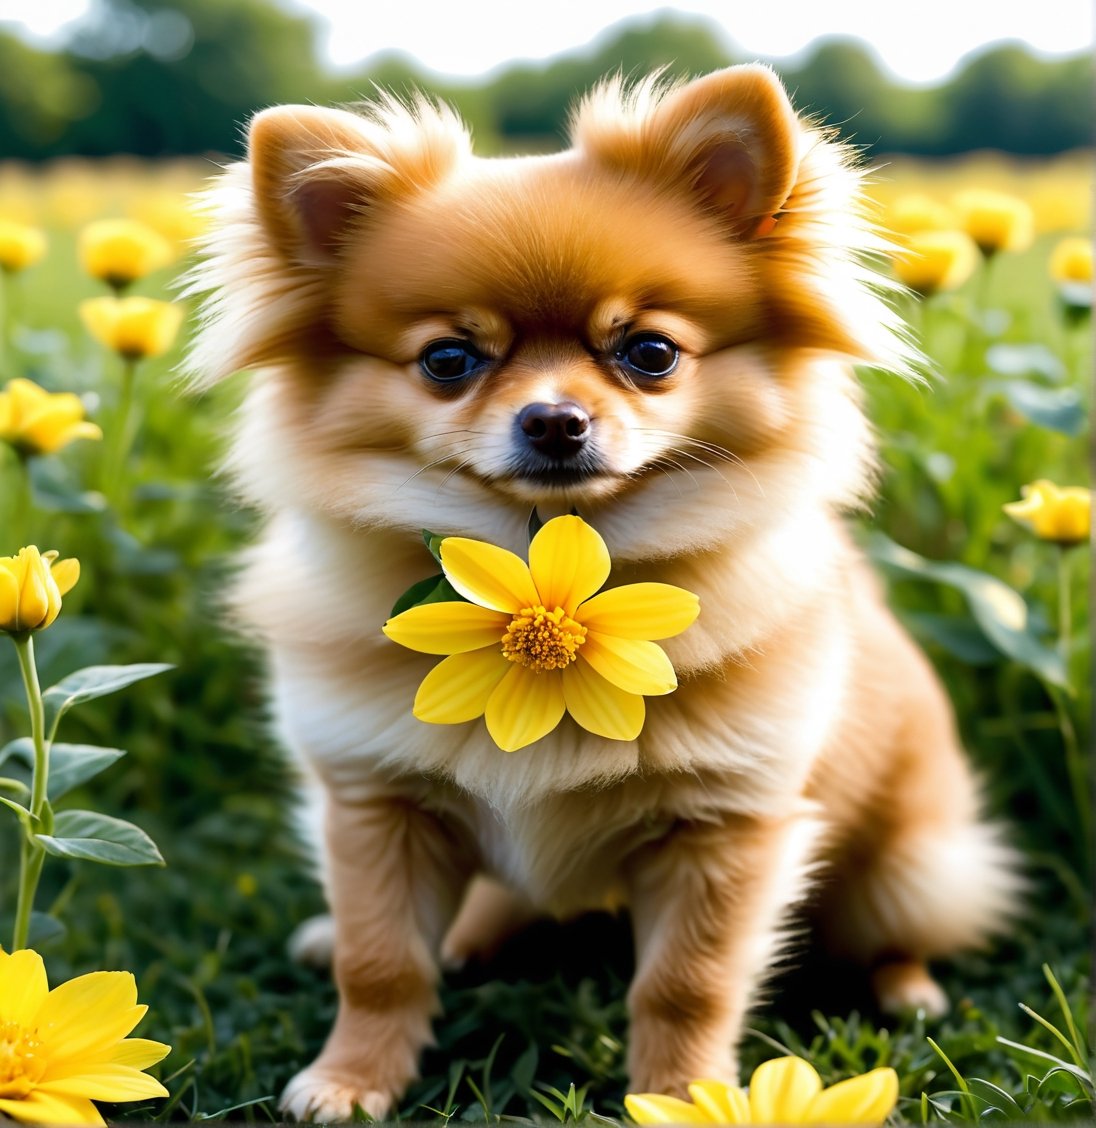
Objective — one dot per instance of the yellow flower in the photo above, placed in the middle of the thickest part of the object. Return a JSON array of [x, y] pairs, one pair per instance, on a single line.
[[996, 221], [119, 251], [915, 212], [785, 1090], [936, 260], [62, 1049], [20, 246], [536, 642], [1060, 514], [35, 421], [133, 327], [31, 587], [1071, 260], [1071, 268]]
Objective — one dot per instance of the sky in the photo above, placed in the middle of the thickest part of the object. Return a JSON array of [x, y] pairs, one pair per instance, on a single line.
[[918, 40]]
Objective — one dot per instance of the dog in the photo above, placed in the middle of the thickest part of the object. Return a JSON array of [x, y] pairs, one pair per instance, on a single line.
[[687, 288]]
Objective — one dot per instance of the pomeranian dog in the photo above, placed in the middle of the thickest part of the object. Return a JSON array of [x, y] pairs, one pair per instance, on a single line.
[[675, 301]]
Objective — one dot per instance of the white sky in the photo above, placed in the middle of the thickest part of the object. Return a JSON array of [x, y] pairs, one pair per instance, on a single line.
[[919, 40]]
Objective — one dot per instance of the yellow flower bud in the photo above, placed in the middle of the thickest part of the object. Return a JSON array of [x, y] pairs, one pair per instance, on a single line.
[[20, 246], [1071, 260], [996, 221], [914, 212], [35, 421], [1071, 268], [119, 251], [1059, 514], [133, 327], [936, 260], [31, 587]]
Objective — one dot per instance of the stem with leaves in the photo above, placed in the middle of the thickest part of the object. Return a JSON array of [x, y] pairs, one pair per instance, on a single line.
[[32, 853]]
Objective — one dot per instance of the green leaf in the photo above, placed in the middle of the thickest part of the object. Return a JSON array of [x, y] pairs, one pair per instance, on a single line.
[[69, 764], [433, 542], [43, 928], [21, 812], [73, 764], [94, 837], [91, 682], [1024, 360], [1057, 409], [959, 635], [535, 523], [999, 610], [434, 589], [21, 746]]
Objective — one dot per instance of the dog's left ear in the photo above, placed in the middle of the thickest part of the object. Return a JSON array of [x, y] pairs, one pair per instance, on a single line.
[[731, 139]]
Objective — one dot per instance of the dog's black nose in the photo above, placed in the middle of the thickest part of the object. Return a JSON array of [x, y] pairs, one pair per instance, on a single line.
[[558, 430]]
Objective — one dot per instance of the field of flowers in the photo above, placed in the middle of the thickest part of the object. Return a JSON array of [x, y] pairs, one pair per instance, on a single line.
[[142, 805]]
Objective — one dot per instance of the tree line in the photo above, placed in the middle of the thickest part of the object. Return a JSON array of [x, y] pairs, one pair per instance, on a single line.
[[172, 77]]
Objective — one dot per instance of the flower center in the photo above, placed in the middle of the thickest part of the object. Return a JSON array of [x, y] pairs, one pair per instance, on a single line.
[[21, 1064], [541, 639]]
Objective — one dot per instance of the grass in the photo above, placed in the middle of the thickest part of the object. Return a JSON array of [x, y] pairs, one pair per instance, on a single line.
[[540, 1034]]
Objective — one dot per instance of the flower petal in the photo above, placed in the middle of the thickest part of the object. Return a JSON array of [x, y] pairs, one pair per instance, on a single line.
[[525, 706], [867, 1099], [458, 689], [781, 1090], [65, 574], [34, 606], [633, 665], [653, 1108], [139, 1053], [723, 1103], [646, 611], [569, 562], [89, 1014], [9, 596], [599, 706], [23, 987], [103, 1082], [488, 575], [447, 628], [46, 1108]]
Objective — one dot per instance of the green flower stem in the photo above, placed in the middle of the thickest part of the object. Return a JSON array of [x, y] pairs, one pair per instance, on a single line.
[[122, 437], [21, 508], [1065, 613], [32, 854], [1076, 760]]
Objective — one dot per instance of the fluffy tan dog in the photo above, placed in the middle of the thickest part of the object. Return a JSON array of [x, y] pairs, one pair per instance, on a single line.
[[440, 341]]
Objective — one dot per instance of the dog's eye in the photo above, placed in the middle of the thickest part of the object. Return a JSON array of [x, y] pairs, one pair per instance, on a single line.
[[450, 360], [648, 354]]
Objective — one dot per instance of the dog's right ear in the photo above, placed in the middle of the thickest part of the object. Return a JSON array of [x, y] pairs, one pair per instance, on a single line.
[[316, 172]]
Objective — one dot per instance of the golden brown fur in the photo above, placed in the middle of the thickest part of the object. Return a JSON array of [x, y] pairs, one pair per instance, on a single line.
[[808, 740]]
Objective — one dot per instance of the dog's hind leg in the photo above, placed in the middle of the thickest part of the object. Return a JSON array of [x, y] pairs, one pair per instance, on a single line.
[[490, 914]]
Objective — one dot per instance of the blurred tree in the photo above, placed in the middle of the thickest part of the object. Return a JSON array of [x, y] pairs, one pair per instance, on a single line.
[[155, 77], [40, 95], [1006, 98], [177, 76]]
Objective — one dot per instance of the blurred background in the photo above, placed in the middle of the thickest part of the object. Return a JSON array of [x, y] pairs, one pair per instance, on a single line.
[[177, 77]]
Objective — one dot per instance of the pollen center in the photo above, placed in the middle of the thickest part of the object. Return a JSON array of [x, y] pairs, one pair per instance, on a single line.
[[541, 639], [21, 1063]]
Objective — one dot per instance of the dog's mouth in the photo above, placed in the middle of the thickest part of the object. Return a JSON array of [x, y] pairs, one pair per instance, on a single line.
[[583, 469]]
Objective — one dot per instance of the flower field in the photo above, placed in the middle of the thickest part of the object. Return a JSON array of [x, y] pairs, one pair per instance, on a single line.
[[144, 822]]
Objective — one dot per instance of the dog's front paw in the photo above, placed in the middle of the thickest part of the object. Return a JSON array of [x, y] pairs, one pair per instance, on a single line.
[[329, 1097]]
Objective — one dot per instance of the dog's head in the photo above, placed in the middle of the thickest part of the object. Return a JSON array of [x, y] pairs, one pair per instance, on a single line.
[[636, 326]]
